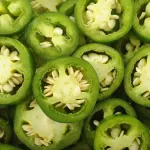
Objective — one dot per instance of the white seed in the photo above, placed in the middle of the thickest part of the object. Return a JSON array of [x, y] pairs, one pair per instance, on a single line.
[[111, 23], [49, 94], [31, 133], [47, 90], [79, 77], [45, 44], [1, 132], [89, 15], [105, 59], [109, 79], [72, 19], [11, 83], [70, 70], [121, 134], [75, 105], [136, 81], [129, 47], [58, 31], [44, 143], [138, 141], [20, 79], [15, 81], [76, 91], [93, 56], [59, 105], [114, 17], [91, 7], [118, 113], [83, 82], [137, 74], [134, 146], [142, 63], [115, 132], [104, 89], [96, 123], [55, 74], [76, 73], [85, 57], [33, 104], [17, 75], [80, 101], [27, 127], [118, 8], [50, 80], [84, 86], [138, 70], [143, 14], [14, 56], [70, 106], [37, 141], [146, 94], [5, 51], [7, 87]]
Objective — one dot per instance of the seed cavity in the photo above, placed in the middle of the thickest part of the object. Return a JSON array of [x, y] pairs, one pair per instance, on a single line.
[[9, 77], [66, 92], [100, 14]]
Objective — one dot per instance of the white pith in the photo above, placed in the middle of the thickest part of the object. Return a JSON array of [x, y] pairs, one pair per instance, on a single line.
[[141, 78], [99, 15], [66, 89], [9, 78], [43, 130], [104, 69]]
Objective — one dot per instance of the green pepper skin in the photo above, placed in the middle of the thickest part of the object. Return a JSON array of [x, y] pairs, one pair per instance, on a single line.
[[80, 146], [136, 92], [103, 110], [68, 138], [136, 129], [8, 147], [142, 31], [20, 11], [63, 48], [61, 115], [125, 22], [24, 66], [99, 67]]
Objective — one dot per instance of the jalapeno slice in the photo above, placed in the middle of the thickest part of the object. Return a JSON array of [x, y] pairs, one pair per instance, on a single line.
[[109, 107], [52, 35], [104, 20], [104, 60], [66, 89], [121, 132], [8, 147], [136, 80], [39, 132], [16, 71], [142, 19], [14, 16]]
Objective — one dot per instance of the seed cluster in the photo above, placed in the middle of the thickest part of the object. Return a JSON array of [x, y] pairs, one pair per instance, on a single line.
[[82, 85], [100, 14], [101, 59], [16, 78]]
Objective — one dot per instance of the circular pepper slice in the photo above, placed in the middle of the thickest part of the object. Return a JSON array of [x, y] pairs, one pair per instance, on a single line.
[[39, 132], [121, 132], [52, 35], [142, 19], [8, 147], [109, 107], [104, 60], [104, 20], [136, 80], [16, 71], [66, 89], [14, 16]]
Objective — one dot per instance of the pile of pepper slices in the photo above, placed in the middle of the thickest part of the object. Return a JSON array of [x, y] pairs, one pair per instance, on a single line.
[[74, 74]]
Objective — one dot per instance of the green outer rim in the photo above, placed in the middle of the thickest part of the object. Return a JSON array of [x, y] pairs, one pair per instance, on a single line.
[[48, 109], [22, 21], [52, 18], [142, 32], [127, 79], [27, 69], [108, 104], [112, 53], [126, 22], [70, 139], [118, 119], [8, 147]]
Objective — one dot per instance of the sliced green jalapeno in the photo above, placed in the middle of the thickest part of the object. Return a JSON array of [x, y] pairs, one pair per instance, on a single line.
[[136, 80], [120, 133], [14, 16], [52, 35], [66, 89], [8, 147], [39, 132], [104, 20], [105, 61], [102, 110], [129, 45], [142, 19], [16, 71], [5, 131]]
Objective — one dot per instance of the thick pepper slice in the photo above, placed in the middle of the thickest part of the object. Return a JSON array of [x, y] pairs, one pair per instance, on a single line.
[[102, 110], [16, 71], [66, 89], [14, 16], [8, 147], [104, 20], [136, 80], [142, 19], [121, 132], [39, 132], [52, 35], [104, 60]]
